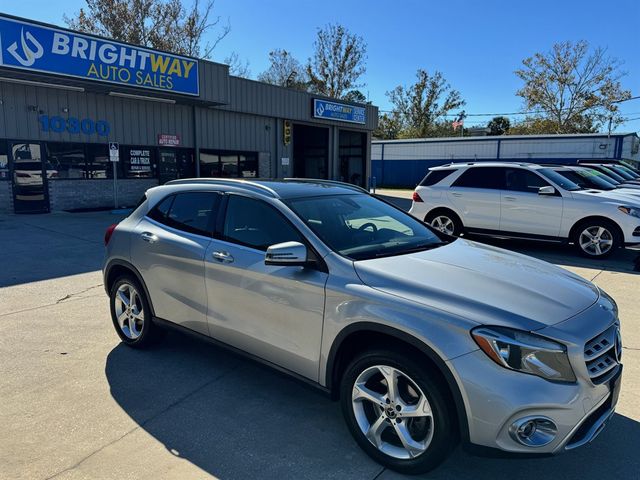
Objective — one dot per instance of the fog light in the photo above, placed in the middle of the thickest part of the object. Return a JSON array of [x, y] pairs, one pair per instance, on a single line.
[[533, 431]]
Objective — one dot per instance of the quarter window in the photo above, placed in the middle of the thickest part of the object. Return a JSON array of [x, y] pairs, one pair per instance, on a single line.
[[481, 177], [255, 224], [435, 176]]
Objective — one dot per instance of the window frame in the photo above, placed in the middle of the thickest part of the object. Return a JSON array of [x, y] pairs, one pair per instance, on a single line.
[[546, 181], [501, 183], [314, 260]]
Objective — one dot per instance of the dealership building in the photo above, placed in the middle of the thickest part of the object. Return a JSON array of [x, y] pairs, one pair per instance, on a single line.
[[77, 110]]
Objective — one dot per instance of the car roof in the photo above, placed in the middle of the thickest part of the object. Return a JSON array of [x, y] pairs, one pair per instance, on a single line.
[[278, 188]]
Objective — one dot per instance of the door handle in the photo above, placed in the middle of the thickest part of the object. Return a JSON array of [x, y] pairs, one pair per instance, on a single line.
[[149, 237], [456, 194], [224, 257], [510, 199]]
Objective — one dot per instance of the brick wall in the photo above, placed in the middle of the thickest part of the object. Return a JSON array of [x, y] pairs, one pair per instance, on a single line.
[[6, 197], [71, 194]]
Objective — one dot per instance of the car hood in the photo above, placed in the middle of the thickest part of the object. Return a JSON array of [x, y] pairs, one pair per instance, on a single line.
[[623, 198], [481, 283]]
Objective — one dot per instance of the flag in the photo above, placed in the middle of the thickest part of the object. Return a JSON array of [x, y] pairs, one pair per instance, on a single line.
[[456, 124]]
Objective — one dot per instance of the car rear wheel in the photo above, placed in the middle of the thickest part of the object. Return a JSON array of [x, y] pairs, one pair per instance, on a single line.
[[596, 238], [445, 222], [131, 314], [397, 412]]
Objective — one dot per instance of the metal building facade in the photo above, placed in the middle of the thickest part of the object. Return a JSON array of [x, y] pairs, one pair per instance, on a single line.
[[233, 127], [405, 162]]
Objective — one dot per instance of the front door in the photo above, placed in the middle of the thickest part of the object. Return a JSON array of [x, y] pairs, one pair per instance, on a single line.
[[273, 312], [30, 174], [168, 166], [524, 210]]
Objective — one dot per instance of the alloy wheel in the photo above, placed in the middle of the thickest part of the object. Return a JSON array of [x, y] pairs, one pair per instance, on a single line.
[[392, 412], [596, 240], [129, 311], [444, 224]]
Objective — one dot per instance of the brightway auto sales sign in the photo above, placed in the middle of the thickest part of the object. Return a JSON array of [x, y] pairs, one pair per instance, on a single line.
[[38, 48]]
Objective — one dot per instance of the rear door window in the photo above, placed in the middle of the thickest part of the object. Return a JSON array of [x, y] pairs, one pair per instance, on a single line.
[[482, 177], [193, 212]]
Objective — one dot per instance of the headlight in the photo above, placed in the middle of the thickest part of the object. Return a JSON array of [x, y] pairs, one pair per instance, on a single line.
[[525, 352], [634, 212]]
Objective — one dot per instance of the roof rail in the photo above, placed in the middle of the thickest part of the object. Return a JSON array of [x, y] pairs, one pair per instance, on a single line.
[[336, 183], [235, 182]]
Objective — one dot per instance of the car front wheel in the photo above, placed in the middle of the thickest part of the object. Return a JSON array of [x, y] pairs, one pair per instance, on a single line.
[[397, 412], [596, 239]]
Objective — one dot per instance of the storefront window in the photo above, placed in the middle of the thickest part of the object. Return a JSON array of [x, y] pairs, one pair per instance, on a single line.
[[228, 164], [4, 161], [98, 164], [67, 160], [138, 161], [248, 166]]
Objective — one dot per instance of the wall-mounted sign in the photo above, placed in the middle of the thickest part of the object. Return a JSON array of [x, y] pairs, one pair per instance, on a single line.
[[339, 111], [139, 160], [168, 140], [114, 152], [85, 126], [33, 47]]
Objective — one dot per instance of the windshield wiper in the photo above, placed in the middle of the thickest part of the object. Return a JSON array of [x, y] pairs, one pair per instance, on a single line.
[[417, 248]]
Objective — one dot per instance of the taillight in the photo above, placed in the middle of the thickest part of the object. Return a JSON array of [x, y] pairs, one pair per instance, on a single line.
[[416, 197], [108, 233]]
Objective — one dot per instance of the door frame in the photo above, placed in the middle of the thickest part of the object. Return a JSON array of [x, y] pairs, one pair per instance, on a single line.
[[43, 173]]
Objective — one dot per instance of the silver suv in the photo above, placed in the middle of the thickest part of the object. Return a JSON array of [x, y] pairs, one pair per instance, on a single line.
[[425, 338]]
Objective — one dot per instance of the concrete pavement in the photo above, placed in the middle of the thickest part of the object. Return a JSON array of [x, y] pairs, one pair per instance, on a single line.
[[75, 403]]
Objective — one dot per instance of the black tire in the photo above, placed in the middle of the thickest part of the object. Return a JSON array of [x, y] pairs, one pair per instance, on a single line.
[[443, 422], [436, 216], [610, 231], [142, 333]]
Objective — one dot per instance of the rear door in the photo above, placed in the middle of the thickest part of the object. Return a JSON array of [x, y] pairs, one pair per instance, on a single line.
[[273, 312], [168, 248], [524, 210], [476, 196]]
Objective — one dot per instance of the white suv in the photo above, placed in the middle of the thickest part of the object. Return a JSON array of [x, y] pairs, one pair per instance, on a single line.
[[524, 200]]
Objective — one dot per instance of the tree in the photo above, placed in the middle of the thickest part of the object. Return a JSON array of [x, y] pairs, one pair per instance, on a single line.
[[355, 96], [574, 88], [499, 125], [337, 63], [421, 108], [284, 70], [159, 24], [389, 127], [237, 67]]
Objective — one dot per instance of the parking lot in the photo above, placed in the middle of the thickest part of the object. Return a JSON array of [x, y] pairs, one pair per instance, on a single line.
[[76, 404]]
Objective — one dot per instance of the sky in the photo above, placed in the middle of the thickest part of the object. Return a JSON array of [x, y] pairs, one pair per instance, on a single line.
[[477, 45]]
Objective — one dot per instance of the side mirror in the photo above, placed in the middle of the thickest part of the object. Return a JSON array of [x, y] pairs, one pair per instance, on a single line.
[[287, 254], [548, 190]]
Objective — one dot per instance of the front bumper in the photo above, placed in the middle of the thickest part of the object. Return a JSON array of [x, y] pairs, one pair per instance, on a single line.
[[495, 398]]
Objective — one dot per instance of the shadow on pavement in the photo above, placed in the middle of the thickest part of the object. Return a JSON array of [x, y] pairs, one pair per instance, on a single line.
[[40, 247], [234, 418]]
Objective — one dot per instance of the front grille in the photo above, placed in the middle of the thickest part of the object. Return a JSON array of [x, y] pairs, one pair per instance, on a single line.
[[601, 354]]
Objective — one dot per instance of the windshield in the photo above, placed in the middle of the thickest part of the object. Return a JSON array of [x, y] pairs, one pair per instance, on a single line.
[[594, 179], [583, 182], [622, 172], [599, 174], [612, 174], [362, 227], [558, 179]]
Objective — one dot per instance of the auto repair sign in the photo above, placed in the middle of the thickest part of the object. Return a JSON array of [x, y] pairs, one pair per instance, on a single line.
[[38, 48]]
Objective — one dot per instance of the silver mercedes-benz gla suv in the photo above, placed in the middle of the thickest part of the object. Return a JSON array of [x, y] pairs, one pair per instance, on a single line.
[[425, 339]]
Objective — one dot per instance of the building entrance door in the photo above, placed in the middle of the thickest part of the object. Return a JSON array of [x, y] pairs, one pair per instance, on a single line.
[[310, 152], [30, 172], [167, 166], [353, 157]]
